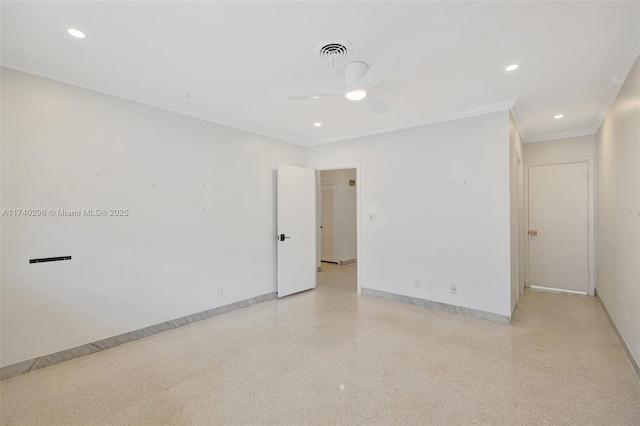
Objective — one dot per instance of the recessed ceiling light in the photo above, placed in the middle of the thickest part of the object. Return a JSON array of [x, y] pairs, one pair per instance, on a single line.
[[315, 97], [356, 95], [558, 116], [511, 67], [317, 124], [76, 33]]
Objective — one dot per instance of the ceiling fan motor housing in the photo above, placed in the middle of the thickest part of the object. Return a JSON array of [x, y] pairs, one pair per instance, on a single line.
[[354, 71]]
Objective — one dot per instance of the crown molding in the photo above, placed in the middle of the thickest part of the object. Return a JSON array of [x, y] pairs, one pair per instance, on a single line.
[[516, 113], [351, 137], [188, 111], [196, 113], [563, 135], [509, 105], [474, 112], [487, 109], [630, 59], [633, 52]]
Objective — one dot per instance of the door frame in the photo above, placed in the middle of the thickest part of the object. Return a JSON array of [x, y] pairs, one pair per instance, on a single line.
[[356, 166], [335, 221], [590, 213]]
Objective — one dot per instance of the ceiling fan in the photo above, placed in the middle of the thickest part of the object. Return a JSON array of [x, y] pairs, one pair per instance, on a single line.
[[359, 78]]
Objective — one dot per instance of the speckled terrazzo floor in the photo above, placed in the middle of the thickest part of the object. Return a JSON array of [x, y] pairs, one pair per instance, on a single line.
[[329, 356]]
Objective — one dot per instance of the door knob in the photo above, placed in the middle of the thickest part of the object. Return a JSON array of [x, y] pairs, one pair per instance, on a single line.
[[533, 232], [283, 237]]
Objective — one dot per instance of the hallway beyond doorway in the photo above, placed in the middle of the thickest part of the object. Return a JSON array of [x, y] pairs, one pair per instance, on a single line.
[[338, 278]]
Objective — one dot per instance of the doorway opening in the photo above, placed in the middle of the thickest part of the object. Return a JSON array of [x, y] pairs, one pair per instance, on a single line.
[[560, 211], [337, 226]]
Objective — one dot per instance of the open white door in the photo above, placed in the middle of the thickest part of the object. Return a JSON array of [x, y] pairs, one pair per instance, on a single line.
[[296, 229]]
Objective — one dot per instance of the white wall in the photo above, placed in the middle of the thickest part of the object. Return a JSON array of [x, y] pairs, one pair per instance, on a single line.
[[516, 197], [201, 200], [618, 212], [346, 211], [427, 228], [560, 149], [348, 217]]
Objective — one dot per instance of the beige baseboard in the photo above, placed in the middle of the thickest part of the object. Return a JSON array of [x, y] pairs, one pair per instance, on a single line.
[[634, 363], [111, 342], [475, 313]]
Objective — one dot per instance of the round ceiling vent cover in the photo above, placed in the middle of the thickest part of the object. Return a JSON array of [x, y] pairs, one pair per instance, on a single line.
[[334, 49]]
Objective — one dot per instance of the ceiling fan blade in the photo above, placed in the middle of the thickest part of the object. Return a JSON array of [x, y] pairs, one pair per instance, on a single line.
[[376, 104], [305, 97], [386, 66], [389, 64], [319, 95]]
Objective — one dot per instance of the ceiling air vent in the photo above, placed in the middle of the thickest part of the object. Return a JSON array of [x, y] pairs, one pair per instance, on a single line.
[[334, 50]]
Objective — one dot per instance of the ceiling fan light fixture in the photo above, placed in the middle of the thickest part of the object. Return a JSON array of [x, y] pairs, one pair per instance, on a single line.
[[76, 33], [356, 95]]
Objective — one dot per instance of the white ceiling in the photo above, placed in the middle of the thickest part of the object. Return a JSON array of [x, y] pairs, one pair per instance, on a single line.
[[239, 61]]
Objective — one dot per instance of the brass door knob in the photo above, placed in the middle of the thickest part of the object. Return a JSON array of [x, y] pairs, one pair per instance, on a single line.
[[533, 232]]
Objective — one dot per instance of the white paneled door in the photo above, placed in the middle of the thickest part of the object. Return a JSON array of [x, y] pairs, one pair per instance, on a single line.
[[559, 226], [296, 229]]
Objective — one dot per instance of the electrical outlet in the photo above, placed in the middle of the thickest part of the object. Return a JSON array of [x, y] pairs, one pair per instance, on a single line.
[[219, 291], [454, 289], [418, 284], [428, 285]]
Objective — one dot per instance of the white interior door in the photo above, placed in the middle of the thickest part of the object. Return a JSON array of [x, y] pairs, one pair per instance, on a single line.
[[329, 224], [559, 226], [296, 229]]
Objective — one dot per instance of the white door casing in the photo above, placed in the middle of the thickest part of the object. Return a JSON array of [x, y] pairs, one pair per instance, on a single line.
[[296, 213], [359, 255], [559, 214]]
